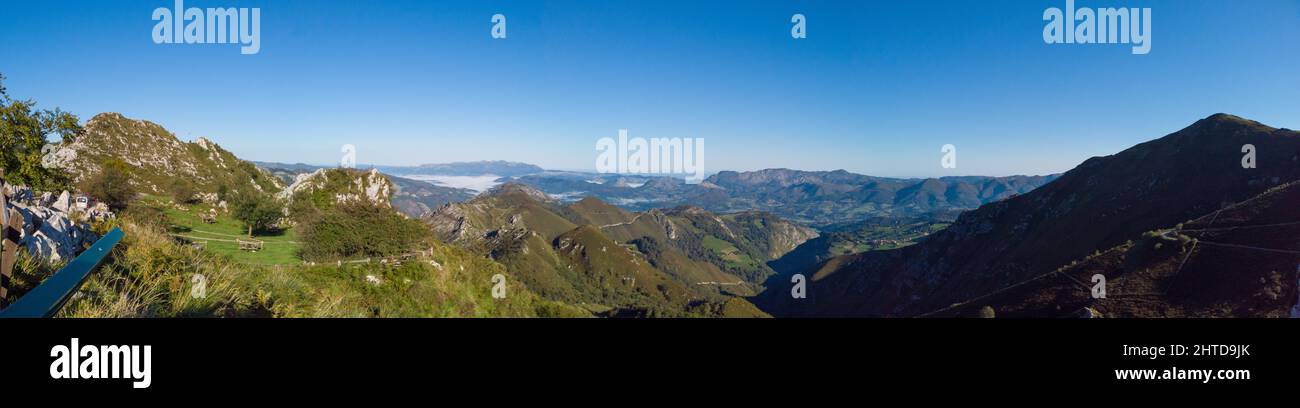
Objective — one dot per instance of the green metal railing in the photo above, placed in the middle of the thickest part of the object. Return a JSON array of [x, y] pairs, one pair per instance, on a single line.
[[47, 298]]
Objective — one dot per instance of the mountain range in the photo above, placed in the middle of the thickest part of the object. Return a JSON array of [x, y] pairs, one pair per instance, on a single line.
[[811, 197], [495, 167], [816, 198], [1103, 203], [1177, 226], [593, 253]]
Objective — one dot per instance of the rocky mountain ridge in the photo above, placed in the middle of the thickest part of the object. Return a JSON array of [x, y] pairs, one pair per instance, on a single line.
[[652, 259], [810, 197], [1100, 204], [343, 186], [157, 158]]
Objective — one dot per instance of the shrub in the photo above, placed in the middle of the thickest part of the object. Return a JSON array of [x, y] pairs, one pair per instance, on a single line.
[[112, 185], [148, 217], [223, 192], [182, 191], [354, 230]]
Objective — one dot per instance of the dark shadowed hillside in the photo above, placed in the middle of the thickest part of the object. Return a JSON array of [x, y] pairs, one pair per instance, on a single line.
[[1241, 261], [873, 236], [1100, 204]]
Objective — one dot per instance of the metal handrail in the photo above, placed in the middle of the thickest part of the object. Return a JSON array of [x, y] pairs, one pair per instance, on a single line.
[[47, 298]]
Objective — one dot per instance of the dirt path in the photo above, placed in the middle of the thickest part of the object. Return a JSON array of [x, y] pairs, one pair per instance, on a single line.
[[197, 238], [637, 217]]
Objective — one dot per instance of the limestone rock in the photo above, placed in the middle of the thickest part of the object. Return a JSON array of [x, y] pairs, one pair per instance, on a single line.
[[49, 234], [361, 186], [64, 203]]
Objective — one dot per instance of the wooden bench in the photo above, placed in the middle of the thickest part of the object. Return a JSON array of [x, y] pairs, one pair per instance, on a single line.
[[254, 245]]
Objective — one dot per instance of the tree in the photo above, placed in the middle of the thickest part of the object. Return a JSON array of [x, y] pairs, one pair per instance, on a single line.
[[112, 185], [256, 211], [24, 134], [223, 192], [182, 191]]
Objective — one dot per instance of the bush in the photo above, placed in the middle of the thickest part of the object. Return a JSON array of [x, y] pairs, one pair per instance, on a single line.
[[223, 192], [112, 186], [148, 217], [355, 230], [182, 191]]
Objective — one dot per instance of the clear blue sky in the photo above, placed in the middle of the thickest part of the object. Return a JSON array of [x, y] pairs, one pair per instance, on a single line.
[[877, 87]]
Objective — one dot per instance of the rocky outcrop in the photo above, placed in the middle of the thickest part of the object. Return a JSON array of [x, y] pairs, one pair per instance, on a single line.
[[518, 188], [49, 234], [344, 185], [451, 221], [50, 231], [663, 221], [64, 202], [156, 157]]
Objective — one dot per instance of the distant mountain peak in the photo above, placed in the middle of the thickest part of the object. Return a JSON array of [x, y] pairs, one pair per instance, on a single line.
[[517, 188], [686, 210], [497, 162], [1100, 204], [108, 116], [660, 182], [1225, 119], [158, 159], [496, 167]]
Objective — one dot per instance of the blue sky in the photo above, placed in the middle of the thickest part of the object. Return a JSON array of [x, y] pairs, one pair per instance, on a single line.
[[876, 88]]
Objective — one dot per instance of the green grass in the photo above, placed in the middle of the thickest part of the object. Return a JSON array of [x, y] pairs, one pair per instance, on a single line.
[[863, 240], [150, 275], [219, 237], [728, 252]]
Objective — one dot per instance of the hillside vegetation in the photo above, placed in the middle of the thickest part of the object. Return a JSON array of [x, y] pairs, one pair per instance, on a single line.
[[151, 275], [414, 198], [173, 262], [683, 262], [157, 159], [183, 222], [852, 240]]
